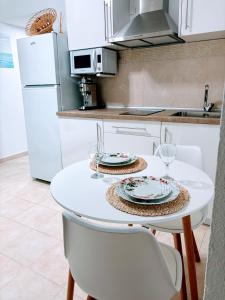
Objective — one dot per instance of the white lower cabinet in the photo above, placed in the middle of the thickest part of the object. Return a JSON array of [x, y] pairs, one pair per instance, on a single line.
[[128, 136], [76, 135], [203, 135]]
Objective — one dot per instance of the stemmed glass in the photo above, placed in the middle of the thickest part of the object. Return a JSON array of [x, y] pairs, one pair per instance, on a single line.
[[96, 152], [167, 153]]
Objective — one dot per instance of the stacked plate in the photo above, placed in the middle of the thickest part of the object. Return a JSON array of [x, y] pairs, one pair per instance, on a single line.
[[147, 190], [117, 159]]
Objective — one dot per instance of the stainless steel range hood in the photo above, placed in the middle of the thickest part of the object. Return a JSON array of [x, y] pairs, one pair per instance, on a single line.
[[153, 24]]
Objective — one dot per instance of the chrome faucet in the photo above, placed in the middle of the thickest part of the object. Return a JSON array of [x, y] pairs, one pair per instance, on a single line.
[[207, 106]]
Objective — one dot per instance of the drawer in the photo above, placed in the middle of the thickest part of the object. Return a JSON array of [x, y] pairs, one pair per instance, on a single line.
[[130, 143], [141, 128]]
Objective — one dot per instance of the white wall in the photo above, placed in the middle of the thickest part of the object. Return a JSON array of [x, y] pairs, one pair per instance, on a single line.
[[12, 126], [215, 276], [18, 12]]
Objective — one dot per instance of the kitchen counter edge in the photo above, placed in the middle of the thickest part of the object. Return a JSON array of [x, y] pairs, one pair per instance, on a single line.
[[115, 114]]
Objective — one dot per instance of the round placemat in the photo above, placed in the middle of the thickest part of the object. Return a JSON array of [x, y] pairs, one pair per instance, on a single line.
[[147, 210], [139, 165]]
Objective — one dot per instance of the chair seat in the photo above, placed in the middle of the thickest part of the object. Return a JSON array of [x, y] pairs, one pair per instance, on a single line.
[[173, 262], [176, 226]]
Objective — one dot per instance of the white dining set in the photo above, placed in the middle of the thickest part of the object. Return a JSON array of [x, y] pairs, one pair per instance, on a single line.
[[113, 205]]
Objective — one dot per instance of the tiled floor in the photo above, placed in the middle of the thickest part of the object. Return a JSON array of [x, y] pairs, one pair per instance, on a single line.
[[32, 262]]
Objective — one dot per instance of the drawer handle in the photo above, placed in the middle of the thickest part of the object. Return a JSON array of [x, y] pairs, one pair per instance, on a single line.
[[130, 128], [131, 131]]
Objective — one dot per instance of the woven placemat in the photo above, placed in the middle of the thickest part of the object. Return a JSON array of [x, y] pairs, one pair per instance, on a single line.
[[139, 165], [147, 210]]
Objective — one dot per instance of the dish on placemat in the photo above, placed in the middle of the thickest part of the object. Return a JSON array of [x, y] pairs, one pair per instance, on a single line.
[[174, 193], [117, 159], [146, 188]]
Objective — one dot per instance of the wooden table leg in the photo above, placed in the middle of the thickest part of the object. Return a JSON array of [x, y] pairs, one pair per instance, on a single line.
[[178, 246], [70, 287], [189, 245]]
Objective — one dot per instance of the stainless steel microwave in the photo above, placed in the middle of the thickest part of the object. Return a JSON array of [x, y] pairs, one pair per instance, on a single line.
[[100, 61]]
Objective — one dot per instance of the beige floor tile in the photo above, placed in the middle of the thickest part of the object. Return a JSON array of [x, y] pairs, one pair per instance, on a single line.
[[35, 191], [62, 294], [52, 265], [53, 226], [29, 286], [28, 248], [11, 233], [8, 271], [14, 207], [36, 216], [50, 203]]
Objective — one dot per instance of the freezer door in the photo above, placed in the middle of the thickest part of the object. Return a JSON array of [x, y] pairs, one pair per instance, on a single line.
[[38, 59], [40, 107]]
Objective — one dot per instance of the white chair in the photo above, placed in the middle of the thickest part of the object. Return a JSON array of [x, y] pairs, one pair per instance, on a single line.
[[111, 263], [193, 156]]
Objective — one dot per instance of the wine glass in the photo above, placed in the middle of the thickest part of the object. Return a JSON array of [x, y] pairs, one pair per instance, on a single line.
[[167, 153], [96, 153]]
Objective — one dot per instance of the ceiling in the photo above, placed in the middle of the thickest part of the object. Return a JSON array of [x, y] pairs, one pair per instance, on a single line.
[[17, 13]]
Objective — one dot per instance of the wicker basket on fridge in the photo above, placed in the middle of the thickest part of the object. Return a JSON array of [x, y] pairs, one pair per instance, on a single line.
[[41, 22]]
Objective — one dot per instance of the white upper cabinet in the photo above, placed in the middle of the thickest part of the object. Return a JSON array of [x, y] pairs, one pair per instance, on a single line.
[[202, 19], [117, 15], [86, 27]]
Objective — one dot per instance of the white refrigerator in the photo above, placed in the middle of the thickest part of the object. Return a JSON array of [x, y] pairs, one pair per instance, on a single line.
[[47, 88]]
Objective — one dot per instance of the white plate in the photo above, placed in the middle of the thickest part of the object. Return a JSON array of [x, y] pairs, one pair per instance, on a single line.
[[172, 196], [116, 158], [146, 188], [131, 160]]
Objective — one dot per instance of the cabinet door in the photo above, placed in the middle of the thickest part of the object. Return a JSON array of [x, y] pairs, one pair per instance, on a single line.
[[76, 135], [129, 143], [85, 24], [117, 15], [204, 136], [202, 17]]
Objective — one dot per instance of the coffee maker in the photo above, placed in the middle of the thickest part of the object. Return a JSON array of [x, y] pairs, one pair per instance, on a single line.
[[88, 91]]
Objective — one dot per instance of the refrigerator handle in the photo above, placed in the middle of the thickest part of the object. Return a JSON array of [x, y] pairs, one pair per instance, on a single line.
[[53, 86]]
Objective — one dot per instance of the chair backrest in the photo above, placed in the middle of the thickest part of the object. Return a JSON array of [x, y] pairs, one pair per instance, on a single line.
[[114, 263], [190, 154]]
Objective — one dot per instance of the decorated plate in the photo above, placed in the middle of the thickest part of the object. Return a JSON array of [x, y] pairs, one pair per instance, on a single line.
[[146, 188], [175, 191]]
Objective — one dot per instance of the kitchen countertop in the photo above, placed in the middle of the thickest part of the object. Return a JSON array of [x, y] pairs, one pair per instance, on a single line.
[[114, 114]]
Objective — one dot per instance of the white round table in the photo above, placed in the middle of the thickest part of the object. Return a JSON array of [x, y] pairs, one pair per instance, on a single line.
[[75, 190]]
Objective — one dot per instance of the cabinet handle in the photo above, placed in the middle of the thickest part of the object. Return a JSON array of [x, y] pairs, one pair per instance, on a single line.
[[111, 22], [94, 59], [106, 8], [153, 148], [189, 12], [165, 136]]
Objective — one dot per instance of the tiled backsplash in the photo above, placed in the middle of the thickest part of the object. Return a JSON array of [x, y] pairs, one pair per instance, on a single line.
[[169, 76]]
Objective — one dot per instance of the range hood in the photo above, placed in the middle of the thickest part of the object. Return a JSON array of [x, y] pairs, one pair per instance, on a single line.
[[153, 24]]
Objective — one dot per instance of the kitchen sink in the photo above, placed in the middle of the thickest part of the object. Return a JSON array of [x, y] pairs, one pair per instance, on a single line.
[[197, 114]]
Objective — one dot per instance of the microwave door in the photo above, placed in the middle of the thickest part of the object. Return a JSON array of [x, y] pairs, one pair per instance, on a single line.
[[83, 62]]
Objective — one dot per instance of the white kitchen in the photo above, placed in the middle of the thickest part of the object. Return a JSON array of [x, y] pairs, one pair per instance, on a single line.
[[112, 149]]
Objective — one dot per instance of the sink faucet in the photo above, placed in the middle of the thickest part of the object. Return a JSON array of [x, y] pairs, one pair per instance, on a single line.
[[207, 106]]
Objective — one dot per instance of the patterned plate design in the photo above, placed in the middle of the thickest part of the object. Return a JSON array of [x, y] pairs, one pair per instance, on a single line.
[[175, 191], [146, 188]]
